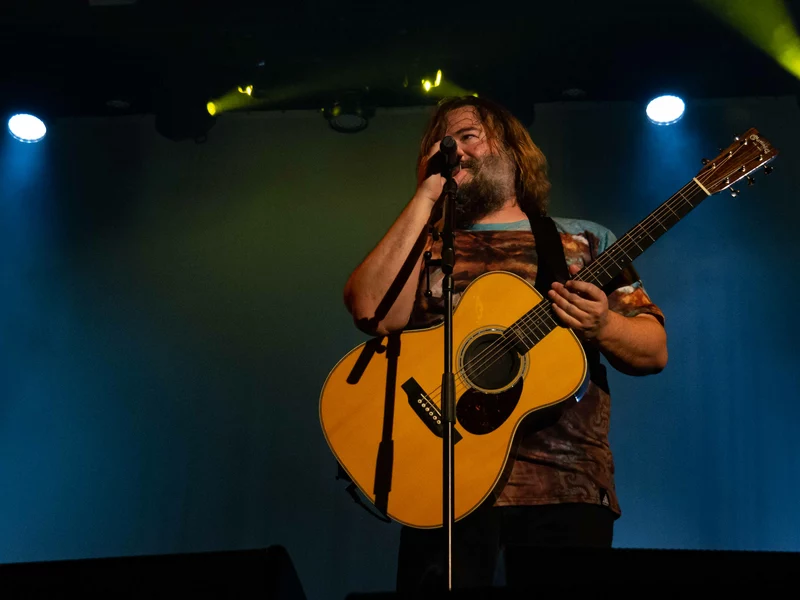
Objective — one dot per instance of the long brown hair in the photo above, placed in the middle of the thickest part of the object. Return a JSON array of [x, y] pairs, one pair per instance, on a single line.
[[504, 132]]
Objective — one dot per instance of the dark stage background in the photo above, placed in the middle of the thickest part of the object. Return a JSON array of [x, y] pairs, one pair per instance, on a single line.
[[170, 312]]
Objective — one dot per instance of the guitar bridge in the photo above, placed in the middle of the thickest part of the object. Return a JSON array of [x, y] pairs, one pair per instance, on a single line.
[[426, 410]]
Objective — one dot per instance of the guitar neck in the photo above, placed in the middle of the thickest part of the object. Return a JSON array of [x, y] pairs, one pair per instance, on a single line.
[[532, 327], [744, 156], [627, 248]]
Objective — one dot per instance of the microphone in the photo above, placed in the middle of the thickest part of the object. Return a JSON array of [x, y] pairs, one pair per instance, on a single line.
[[449, 149], [445, 161]]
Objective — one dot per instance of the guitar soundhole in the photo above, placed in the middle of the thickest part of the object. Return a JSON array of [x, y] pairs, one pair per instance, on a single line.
[[493, 372], [488, 365]]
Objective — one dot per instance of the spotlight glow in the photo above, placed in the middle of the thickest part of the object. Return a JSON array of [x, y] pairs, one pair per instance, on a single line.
[[26, 128], [767, 23], [665, 110], [427, 84]]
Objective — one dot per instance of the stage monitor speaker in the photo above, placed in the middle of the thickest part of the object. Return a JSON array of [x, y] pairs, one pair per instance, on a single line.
[[615, 572], [262, 573]]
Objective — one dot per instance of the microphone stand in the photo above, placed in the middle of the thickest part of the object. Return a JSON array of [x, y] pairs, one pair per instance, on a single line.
[[447, 147]]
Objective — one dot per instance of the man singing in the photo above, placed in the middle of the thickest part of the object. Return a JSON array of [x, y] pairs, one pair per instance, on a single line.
[[560, 491]]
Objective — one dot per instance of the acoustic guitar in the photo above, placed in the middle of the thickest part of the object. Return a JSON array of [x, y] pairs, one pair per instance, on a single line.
[[380, 405]]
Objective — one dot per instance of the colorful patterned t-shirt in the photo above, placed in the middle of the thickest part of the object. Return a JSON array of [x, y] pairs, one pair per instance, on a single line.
[[569, 460]]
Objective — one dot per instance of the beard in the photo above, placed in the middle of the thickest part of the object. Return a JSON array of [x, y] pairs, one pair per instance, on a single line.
[[491, 185]]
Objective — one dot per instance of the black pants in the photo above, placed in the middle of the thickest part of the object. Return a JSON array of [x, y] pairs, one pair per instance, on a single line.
[[479, 538]]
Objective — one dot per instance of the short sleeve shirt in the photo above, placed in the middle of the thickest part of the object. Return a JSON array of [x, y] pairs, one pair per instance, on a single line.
[[569, 460]]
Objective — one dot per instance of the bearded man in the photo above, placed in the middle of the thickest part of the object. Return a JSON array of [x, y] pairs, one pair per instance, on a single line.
[[560, 491]]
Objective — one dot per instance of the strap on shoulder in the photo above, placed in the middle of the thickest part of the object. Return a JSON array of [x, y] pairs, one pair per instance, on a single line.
[[552, 263]]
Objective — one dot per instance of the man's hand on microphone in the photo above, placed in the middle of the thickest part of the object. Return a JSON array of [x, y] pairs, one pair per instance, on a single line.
[[432, 180]]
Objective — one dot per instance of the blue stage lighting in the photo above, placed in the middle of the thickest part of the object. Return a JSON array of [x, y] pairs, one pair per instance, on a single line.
[[665, 110], [27, 128]]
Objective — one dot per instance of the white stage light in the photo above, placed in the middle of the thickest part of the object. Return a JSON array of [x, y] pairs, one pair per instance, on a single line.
[[26, 128], [665, 110]]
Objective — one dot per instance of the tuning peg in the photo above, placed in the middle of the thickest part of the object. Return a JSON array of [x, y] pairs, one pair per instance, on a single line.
[[768, 169], [751, 181], [734, 193], [705, 161]]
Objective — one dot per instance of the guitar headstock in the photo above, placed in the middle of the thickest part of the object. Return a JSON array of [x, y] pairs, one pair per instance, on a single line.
[[747, 154]]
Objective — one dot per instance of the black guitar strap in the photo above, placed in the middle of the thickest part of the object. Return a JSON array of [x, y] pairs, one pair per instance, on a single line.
[[552, 266]]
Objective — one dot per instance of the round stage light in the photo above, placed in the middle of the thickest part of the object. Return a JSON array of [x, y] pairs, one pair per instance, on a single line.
[[27, 128], [665, 110], [348, 123], [349, 113]]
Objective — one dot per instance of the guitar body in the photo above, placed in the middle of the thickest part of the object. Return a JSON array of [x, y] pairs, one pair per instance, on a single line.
[[379, 407]]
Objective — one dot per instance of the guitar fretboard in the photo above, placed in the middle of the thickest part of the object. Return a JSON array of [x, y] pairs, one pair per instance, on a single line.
[[534, 325]]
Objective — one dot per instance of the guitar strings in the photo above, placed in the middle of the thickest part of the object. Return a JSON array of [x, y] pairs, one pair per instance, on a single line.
[[499, 348], [614, 253], [537, 316], [542, 310]]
